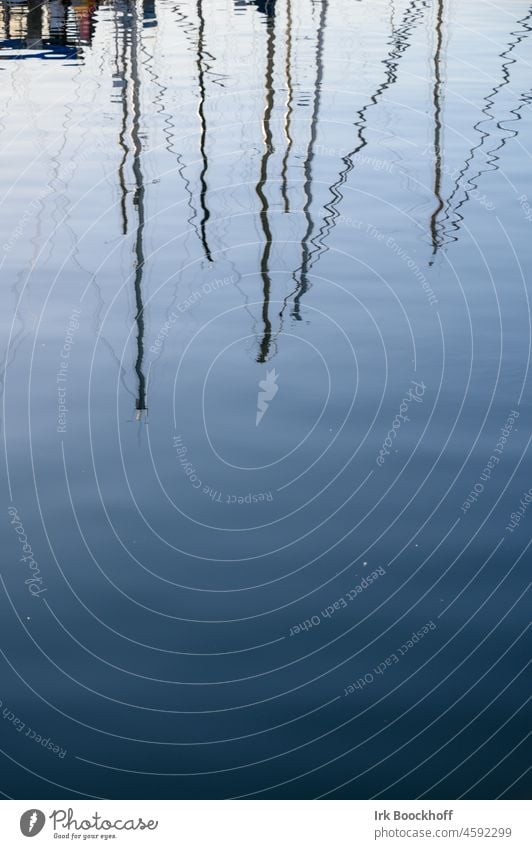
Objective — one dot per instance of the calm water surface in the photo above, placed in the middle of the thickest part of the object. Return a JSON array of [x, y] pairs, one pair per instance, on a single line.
[[265, 398]]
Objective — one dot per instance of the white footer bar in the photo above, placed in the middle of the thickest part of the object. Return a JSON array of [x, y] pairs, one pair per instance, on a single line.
[[267, 824]]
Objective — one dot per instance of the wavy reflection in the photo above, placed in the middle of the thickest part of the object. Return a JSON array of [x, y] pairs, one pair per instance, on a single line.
[[127, 79], [437, 106], [139, 203], [400, 42], [264, 345], [289, 107], [303, 283], [452, 219], [200, 61]]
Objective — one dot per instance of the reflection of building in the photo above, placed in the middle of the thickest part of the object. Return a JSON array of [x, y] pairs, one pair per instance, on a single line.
[[267, 7], [23, 25], [46, 26]]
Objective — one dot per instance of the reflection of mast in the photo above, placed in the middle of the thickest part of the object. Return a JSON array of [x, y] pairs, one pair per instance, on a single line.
[[436, 100], [139, 203], [130, 85], [289, 106], [203, 129], [307, 170], [119, 79], [264, 347]]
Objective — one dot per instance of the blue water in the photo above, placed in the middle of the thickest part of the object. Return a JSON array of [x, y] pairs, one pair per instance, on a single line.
[[265, 398]]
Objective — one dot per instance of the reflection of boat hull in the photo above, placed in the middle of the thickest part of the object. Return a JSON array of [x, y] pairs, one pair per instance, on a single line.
[[84, 16], [265, 7]]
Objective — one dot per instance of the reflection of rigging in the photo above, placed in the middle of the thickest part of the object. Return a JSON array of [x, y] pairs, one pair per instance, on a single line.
[[189, 28], [452, 218], [399, 41], [264, 346]]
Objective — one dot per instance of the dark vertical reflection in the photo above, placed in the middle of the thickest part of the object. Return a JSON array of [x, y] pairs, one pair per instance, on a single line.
[[289, 106], [303, 284], [34, 24], [264, 347], [205, 213], [399, 42], [127, 78], [139, 203], [436, 102], [169, 129], [149, 16], [452, 218], [120, 82]]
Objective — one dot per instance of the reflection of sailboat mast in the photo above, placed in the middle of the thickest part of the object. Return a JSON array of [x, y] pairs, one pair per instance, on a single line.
[[120, 79], [131, 82], [203, 129], [139, 203], [307, 170], [436, 100], [289, 106], [264, 348]]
